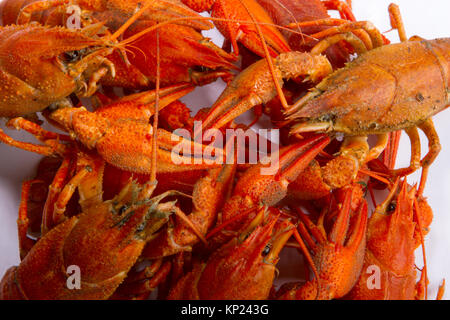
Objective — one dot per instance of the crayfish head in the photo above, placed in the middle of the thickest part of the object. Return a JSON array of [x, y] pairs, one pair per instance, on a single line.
[[245, 268], [391, 229], [121, 226]]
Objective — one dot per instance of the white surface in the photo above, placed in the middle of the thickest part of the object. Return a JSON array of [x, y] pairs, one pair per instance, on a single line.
[[428, 19]]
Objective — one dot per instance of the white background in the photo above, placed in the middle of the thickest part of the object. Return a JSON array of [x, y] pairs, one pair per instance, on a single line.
[[428, 19]]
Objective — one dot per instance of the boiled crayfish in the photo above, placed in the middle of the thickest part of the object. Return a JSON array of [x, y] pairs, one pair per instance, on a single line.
[[211, 230]]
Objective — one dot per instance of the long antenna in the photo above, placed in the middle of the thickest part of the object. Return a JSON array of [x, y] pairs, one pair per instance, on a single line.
[[268, 58]]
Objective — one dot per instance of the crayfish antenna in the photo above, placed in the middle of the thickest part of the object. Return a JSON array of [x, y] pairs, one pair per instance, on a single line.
[[310, 261], [151, 185], [268, 58], [156, 116], [130, 21], [422, 241], [294, 18]]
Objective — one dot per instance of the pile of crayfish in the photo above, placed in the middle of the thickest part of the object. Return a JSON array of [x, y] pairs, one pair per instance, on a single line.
[[110, 214]]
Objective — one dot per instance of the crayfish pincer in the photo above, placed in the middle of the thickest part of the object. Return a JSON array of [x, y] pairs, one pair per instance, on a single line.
[[393, 87]]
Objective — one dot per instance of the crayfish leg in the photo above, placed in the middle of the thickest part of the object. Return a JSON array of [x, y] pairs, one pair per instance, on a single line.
[[25, 243], [375, 151], [434, 147], [65, 170], [413, 135], [397, 21]]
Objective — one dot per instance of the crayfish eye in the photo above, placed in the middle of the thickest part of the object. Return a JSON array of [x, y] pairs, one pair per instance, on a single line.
[[392, 206], [122, 209], [71, 56], [266, 250]]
